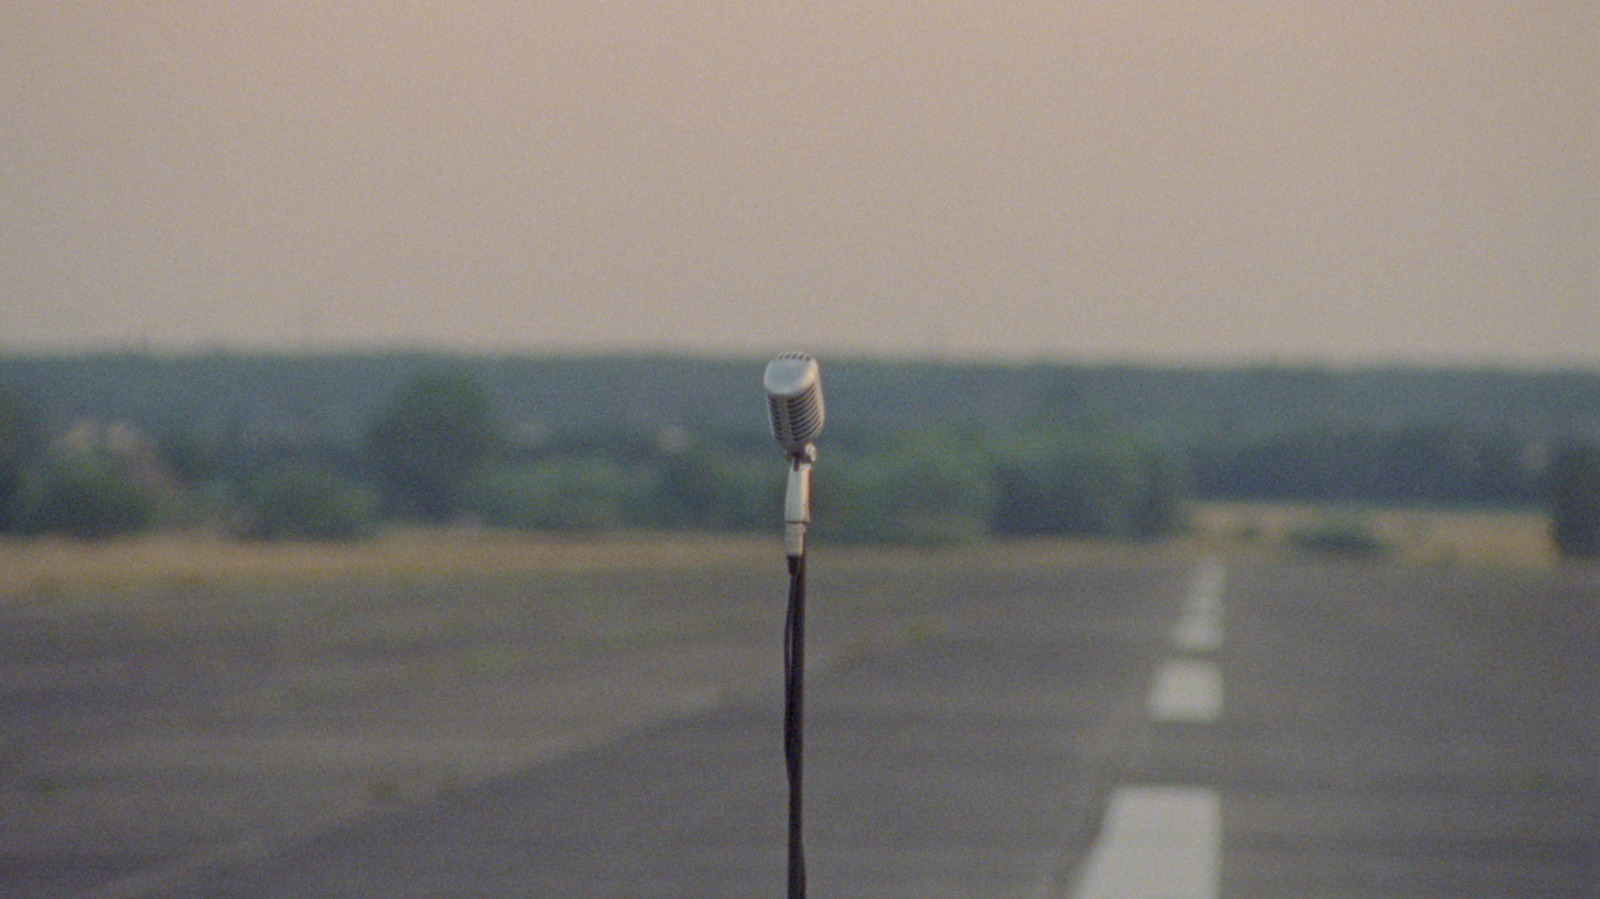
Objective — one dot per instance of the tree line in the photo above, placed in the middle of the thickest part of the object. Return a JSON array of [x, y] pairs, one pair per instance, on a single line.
[[438, 453], [331, 398], [910, 455]]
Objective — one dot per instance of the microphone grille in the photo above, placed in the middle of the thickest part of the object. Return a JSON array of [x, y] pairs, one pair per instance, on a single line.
[[794, 397]]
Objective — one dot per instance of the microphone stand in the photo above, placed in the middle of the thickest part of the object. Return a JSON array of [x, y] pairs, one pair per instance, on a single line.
[[796, 515]]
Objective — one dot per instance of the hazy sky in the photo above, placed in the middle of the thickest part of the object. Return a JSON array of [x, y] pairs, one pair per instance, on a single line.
[[1374, 180]]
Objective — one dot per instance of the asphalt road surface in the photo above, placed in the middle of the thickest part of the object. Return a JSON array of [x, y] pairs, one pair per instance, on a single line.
[[1134, 728]]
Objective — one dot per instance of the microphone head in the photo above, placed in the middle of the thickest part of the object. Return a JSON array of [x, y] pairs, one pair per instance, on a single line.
[[794, 397]]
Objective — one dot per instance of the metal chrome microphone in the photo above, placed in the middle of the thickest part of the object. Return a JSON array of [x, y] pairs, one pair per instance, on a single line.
[[794, 400], [794, 396]]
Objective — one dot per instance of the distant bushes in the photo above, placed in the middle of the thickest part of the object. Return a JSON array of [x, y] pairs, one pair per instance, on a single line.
[[87, 495], [305, 503], [1574, 501], [430, 441], [920, 487], [925, 487], [568, 496], [21, 442], [436, 453], [1400, 464], [1343, 537], [1099, 485], [954, 487]]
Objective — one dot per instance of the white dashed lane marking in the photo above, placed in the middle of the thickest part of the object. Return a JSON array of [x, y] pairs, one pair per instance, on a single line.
[[1165, 842], [1186, 690], [1157, 843], [1200, 628]]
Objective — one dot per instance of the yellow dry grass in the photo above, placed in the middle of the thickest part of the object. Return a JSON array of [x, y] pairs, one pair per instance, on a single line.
[[1413, 536], [1498, 538], [52, 564]]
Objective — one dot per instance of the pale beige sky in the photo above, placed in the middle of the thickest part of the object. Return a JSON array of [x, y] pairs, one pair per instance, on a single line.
[[1337, 181]]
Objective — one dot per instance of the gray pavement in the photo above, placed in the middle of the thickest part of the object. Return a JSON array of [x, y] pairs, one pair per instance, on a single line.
[[1403, 733], [961, 751], [1379, 731]]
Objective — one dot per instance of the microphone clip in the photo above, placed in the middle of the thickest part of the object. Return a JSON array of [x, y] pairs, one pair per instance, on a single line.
[[805, 456]]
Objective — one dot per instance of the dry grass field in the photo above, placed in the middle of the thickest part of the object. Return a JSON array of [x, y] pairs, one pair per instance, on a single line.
[[1420, 536], [178, 559], [1517, 539]]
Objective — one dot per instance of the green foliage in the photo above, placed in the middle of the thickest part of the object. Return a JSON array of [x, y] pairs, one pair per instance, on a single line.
[[1097, 485], [958, 486], [88, 496], [331, 398], [1574, 502], [561, 495], [307, 503], [192, 458], [930, 486], [593, 443], [21, 441], [927, 487], [1404, 464], [1341, 536], [431, 440], [705, 489]]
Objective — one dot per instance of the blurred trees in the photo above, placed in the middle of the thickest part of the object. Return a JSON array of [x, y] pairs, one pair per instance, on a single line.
[[276, 447], [21, 442], [561, 495], [957, 485], [432, 439], [308, 503], [1092, 484], [332, 398], [1404, 464], [1574, 501], [920, 486], [87, 494]]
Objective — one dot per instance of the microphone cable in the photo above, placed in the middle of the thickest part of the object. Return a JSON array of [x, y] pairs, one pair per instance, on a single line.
[[794, 667]]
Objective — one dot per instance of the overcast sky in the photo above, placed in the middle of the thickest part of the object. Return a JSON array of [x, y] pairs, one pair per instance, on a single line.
[[1365, 181]]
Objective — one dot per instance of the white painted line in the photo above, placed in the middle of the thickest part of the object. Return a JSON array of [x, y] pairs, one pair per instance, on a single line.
[[1205, 591], [1196, 633], [1166, 842], [1186, 690], [1200, 628], [1156, 843]]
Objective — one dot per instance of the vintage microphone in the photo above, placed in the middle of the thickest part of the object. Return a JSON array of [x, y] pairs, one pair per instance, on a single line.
[[794, 398]]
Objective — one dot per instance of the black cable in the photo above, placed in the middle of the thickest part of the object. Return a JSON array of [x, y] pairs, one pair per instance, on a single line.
[[794, 672]]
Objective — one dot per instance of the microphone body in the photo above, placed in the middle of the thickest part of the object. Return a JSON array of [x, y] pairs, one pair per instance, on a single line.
[[794, 397], [793, 382]]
